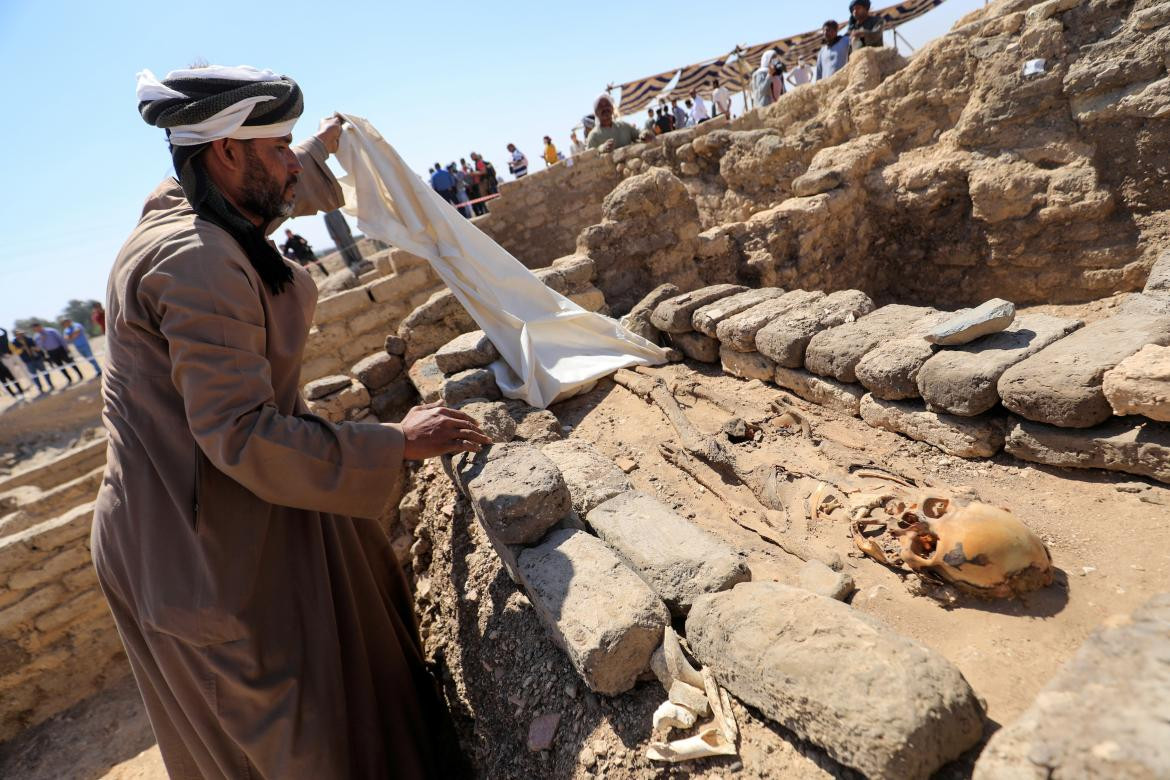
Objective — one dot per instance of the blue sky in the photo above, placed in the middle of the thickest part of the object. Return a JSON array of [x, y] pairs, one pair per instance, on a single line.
[[438, 79]]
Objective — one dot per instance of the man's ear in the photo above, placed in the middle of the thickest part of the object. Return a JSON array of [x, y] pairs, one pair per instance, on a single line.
[[227, 154]]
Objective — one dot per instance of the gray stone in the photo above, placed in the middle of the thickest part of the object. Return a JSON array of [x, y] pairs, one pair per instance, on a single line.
[[638, 319], [1158, 282], [599, 612], [786, 338], [592, 478], [577, 270], [874, 700], [470, 350], [426, 378], [473, 383], [823, 581], [325, 386], [1103, 715], [553, 279], [890, 370], [819, 390], [963, 437], [395, 345], [542, 731], [1142, 303], [394, 401], [674, 315], [746, 365], [518, 493], [964, 380], [378, 370], [1140, 384], [986, 318], [493, 418], [739, 331], [679, 560], [706, 319], [816, 182], [1120, 445], [696, 346], [835, 352], [1062, 383], [533, 425]]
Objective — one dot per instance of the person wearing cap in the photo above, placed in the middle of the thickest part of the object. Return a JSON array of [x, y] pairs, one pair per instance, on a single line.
[[864, 29], [834, 52], [609, 135], [235, 534]]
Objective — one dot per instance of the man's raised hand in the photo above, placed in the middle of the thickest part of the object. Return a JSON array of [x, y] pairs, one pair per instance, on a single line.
[[433, 429], [329, 131]]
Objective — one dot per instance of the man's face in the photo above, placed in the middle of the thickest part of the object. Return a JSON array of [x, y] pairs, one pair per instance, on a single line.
[[830, 32], [605, 113], [860, 12], [38, 328], [511, 147], [271, 172]]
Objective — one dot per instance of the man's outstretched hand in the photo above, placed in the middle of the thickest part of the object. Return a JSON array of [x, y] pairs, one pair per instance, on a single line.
[[329, 131], [433, 429]]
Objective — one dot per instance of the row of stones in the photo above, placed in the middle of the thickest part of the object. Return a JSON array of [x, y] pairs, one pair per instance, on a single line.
[[1052, 372]]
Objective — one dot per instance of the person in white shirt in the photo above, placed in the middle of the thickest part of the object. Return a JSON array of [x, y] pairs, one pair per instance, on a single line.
[[802, 74], [575, 145], [721, 98], [699, 112]]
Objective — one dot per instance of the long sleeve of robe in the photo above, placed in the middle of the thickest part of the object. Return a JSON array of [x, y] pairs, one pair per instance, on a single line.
[[266, 620]]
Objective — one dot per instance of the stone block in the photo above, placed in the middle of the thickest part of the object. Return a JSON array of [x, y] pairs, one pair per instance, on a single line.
[[322, 365], [470, 350], [393, 402], [553, 279], [342, 305], [1140, 384], [964, 380], [589, 299], [820, 579], [378, 370], [836, 352], [71, 464], [821, 390], [606, 620], [674, 315], [403, 260], [890, 370], [1062, 383], [986, 318], [577, 270], [394, 345], [739, 331], [50, 569], [22, 613], [746, 365], [1120, 445], [676, 558], [473, 383], [533, 425], [1102, 715], [361, 345], [493, 419], [786, 338], [876, 701], [592, 478], [706, 319], [638, 319], [696, 346], [426, 378], [517, 492], [1158, 282], [84, 604], [963, 437], [815, 183]]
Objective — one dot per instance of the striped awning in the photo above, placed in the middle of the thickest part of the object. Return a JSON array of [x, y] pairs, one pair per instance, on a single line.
[[735, 69]]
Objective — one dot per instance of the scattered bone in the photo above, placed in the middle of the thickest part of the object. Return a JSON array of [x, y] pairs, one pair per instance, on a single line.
[[720, 707], [676, 661], [694, 699], [708, 742], [673, 716]]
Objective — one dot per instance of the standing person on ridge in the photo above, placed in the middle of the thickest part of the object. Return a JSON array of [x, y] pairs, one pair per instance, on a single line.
[[267, 622]]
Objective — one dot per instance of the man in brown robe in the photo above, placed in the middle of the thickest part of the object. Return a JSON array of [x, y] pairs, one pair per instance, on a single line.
[[267, 622]]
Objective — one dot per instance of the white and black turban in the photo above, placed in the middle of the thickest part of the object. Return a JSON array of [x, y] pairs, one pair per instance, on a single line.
[[199, 105]]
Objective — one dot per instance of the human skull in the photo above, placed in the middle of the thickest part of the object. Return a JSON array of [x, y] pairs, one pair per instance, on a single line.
[[980, 549]]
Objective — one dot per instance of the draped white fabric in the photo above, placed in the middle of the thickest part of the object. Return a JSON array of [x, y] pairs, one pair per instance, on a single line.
[[551, 348]]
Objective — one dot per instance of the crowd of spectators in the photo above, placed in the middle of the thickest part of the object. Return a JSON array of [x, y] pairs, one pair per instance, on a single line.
[[468, 187], [27, 360]]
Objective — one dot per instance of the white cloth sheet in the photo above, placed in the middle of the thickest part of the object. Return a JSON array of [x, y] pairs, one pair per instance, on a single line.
[[551, 348]]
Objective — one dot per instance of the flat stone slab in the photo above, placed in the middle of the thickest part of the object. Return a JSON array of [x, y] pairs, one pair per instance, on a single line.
[[533, 425], [963, 437], [819, 390], [739, 331], [426, 378], [746, 365], [676, 558], [1103, 714], [472, 383], [517, 492], [674, 315], [696, 346], [786, 338], [325, 386], [1120, 445], [835, 352], [706, 319], [493, 418], [1140, 384], [604, 617], [964, 380], [963, 328], [471, 350], [378, 370], [890, 370], [1062, 383], [592, 478], [638, 319], [873, 699]]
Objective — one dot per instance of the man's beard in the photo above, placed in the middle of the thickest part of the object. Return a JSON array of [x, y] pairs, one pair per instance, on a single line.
[[263, 195]]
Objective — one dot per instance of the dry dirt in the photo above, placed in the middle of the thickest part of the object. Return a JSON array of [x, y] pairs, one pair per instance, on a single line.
[[1107, 534]]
